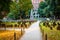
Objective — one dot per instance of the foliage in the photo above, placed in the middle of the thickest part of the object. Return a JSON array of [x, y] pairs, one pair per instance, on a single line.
[[41, 10], [4, 6], [14, 10], [20, 10], [25, 5], [53, 34], [54, 5], [57, 9], [46, 9]]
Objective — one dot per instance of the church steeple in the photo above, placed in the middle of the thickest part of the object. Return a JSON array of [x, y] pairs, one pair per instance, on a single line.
[[36, 3]]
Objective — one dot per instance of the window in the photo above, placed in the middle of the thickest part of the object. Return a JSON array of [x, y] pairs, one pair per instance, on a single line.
[[34, 14], [39, 16]]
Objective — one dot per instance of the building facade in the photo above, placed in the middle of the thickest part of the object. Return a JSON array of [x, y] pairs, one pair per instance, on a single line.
[[34, 14]]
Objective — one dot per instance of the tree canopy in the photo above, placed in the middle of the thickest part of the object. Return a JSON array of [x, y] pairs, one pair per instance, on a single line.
[[57, 9], [20, 8], [4, 7], [14, 10], [25, 5], [46, 8]]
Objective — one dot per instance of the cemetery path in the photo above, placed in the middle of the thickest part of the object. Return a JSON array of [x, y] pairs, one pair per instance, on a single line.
[[33, 33]]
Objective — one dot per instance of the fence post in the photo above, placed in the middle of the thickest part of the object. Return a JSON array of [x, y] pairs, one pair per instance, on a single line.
[[14, 36], [46, 37]]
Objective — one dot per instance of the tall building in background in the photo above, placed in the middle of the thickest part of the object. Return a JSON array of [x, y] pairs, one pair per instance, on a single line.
[[36, 3], [34, 14]]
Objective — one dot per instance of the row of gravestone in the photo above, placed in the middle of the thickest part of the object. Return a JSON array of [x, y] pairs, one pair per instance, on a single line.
[[2, 24], [53, 25]]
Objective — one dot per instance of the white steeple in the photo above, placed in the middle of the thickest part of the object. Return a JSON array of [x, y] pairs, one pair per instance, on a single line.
[[34, 14]]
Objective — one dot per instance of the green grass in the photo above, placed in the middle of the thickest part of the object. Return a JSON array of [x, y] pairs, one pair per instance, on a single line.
[[53, 34], [9, 35]]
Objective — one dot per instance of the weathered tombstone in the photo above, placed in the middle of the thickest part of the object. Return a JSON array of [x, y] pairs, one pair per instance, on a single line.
[[15, 25], [54, 24], [11, 25], [25, 24], [19, 24], [0, 23], [58, 28], [3, 25], [47, 24], [44, 24]]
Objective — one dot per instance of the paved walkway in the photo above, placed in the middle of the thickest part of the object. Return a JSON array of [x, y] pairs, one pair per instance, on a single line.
[[33, 33]]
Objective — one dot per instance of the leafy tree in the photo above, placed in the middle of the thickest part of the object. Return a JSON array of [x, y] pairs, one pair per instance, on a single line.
[[46, 8], [42, 8], [4, 7], [14, 10], [52, 4], [20, 9], [25, 5], [57, 9], [42, 5], [52, 8]]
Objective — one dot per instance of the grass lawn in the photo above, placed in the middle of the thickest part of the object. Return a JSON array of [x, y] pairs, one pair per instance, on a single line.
[[53, 34], [9, 35]]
